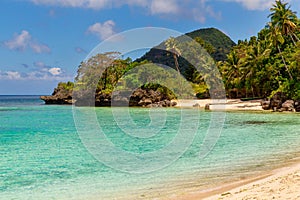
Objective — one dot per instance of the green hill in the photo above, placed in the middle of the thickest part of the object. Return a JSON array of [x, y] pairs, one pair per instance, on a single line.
[[217, 44], [221, 42]]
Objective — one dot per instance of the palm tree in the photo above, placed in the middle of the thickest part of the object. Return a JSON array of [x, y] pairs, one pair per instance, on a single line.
[[277, 39], [171, 46], [253, 64], [231, 70], [284, 19]]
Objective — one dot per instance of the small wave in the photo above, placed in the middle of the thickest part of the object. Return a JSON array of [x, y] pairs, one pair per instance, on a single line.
[[2, 109]]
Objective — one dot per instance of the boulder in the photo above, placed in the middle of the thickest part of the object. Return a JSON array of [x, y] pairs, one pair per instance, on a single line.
[[297, 105], [265, 105], [197, 105], [288, 105], [207, 106], [277, 100]]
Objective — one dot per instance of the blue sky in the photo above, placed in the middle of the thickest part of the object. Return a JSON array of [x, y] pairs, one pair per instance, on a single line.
[[42, 42]]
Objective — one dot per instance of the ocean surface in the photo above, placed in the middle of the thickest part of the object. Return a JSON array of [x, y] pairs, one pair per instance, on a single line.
[[54, 152]]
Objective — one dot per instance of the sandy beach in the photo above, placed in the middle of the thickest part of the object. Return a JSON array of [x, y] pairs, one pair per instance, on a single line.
[[282, 183], [223, 104]]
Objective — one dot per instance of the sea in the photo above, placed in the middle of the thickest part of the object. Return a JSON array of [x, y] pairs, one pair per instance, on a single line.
[[66, 152]]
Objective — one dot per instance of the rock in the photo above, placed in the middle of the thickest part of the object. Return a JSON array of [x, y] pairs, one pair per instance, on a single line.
[[173, 103], [297, 105], [56, 100], [145, 102], [288, 105], [277, 100], [197, 105], [265, 105], [167, 103], [206, 107], [140, 97]]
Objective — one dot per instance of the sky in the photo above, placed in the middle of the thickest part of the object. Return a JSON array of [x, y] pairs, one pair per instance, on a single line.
[[42, 42]]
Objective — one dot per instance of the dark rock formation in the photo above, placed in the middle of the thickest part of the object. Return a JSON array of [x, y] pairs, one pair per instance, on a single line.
[[287, 106], [140, 97], [297, 105], [277, 100], [150, 98], [265, 104], [280, 103], [60, 95]]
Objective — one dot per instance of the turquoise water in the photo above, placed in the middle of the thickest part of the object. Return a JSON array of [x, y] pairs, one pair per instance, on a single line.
[[44, 157]]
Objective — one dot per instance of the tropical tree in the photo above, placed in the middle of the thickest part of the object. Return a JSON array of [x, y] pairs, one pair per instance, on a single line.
[[284, 19], [172, 46], [253, 64], [277, 40]]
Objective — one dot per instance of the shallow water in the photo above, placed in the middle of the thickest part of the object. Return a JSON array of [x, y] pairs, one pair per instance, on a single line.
[[43, 153]]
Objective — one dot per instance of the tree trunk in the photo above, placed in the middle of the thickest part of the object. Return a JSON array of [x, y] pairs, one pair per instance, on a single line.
[[287, 69], [176, 63]]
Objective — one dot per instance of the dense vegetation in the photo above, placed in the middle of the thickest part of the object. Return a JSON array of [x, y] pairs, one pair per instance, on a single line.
[[259, 67], [221, 43], [269, 62]]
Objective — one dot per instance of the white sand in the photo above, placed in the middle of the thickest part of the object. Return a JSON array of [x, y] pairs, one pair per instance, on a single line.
[[283, 184], [228, 104]]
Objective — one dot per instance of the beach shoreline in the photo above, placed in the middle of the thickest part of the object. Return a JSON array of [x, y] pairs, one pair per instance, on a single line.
[[220, 104], [280, 183]]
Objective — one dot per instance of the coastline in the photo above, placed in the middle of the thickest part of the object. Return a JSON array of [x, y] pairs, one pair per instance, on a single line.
[[279, 183]]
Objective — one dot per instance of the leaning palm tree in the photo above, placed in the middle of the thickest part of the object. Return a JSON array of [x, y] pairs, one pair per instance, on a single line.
[[283, 18], [171, 46], [277, 39]]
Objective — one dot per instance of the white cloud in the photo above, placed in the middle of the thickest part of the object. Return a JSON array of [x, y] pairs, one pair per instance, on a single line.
[[254, 4], [197, 10], [12, 75], [94, 4], [55, 71], [22, 41], [39, 71], [40, 64], [19, 42], [164, 7], [103, 31], [39, 48]]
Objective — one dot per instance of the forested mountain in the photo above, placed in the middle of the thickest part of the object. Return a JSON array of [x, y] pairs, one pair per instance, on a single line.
[[221, 43], [213, 40]]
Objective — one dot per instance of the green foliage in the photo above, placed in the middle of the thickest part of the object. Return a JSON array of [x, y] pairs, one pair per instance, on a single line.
[[268, 63], [66, 86], [220, 42]]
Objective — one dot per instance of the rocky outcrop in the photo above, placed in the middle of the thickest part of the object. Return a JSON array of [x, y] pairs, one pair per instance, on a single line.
[[57, 100], [140, 97], [149, 98], [61, 95], [288, 106], [265, 104], [297, 105], [280, 103], [277, 100]]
